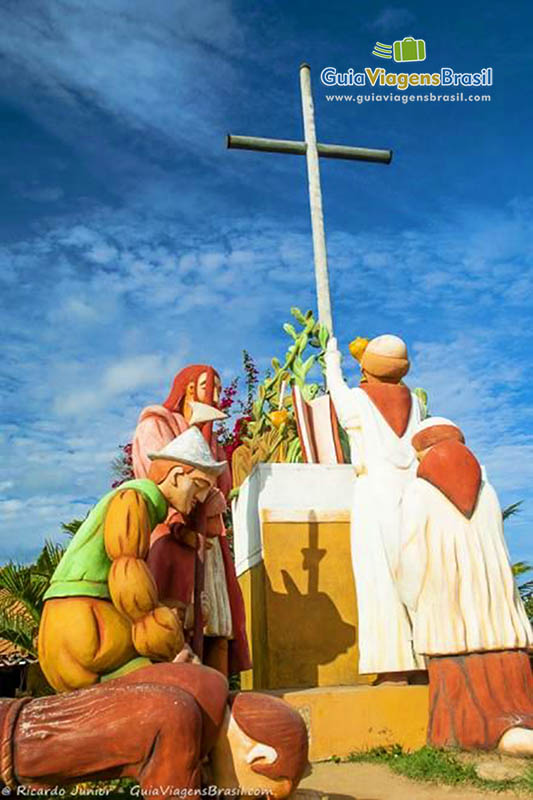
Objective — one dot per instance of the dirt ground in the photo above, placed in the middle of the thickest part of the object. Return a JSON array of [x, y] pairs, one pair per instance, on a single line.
[[377, 782]]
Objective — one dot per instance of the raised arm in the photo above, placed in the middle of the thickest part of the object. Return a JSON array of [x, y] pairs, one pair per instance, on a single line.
[[340, 392], [156, 632]]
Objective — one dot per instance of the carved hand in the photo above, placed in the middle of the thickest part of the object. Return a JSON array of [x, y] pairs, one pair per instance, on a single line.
[[158, 635]]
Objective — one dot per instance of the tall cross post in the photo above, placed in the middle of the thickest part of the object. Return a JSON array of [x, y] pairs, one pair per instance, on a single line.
[[313, 151]]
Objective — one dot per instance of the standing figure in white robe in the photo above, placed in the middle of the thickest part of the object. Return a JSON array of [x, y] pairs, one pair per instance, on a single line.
[[455, 577], [380, 418]]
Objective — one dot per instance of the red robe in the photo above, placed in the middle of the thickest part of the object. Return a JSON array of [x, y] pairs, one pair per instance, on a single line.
[[155, 725], [172, 562]]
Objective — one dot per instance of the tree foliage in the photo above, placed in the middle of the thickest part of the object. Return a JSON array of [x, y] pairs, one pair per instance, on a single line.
[[22, 590], [521, 567]]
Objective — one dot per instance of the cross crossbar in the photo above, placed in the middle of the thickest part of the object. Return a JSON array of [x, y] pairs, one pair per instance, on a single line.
[[300, 148], [313, 152]]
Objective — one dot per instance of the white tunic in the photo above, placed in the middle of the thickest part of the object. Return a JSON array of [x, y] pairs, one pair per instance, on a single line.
[[385, 463], [219, 621], [455, 576]]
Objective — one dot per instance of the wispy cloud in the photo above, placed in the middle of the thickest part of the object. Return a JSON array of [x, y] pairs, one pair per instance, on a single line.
[[118, 58]]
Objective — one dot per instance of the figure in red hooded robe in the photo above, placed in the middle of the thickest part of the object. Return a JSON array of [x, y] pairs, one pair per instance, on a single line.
[[174, 543], [456, 580]]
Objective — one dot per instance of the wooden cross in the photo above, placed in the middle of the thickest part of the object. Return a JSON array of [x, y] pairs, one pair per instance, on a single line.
[[313, 150]]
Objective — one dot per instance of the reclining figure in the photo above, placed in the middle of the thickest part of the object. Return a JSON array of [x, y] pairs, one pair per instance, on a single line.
[[166, 725]]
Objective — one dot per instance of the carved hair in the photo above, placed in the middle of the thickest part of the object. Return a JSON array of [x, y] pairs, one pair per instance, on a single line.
[[174, 401], [271, 721]]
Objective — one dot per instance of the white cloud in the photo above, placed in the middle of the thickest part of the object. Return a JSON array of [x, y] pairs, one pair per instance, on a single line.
[[121, 60], [117, 379], [132, 373]]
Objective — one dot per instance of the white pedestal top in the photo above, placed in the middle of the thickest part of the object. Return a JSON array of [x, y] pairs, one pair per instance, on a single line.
[[288, 493]]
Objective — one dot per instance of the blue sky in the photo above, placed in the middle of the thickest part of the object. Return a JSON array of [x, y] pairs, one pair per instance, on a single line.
[[133, 243]]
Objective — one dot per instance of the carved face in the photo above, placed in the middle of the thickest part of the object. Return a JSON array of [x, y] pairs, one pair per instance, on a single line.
[[184, 489], [198, 391], [233, 757]]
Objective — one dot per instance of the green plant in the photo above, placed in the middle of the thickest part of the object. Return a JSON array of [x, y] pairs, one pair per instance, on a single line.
[[274, 395], [21, 601], [22, 590], [511, 510], [436, 766], [71, 528], [521, 567]]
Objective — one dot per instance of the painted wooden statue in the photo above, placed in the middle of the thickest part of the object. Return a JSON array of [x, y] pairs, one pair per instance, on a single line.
[[174, 542], [102, 611], [380, 417], [172, 727], [468, 618]]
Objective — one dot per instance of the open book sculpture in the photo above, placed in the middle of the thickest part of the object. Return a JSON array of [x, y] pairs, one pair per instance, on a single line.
[[318, 429]]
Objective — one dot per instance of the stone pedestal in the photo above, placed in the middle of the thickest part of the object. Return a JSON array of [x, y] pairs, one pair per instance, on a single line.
[[347, 719], [292, 552], [293, 560]]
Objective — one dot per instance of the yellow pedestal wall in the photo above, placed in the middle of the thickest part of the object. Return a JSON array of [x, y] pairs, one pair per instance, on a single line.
[[346, 719], [301, 607]]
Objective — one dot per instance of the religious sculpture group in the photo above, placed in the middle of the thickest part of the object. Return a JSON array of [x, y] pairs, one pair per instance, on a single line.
[[144, 617], [146, 586], [189, 555], [432, 571]]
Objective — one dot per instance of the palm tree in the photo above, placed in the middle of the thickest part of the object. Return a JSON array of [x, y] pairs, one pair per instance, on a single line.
[[22, 589], [521, 567], [511, 510]]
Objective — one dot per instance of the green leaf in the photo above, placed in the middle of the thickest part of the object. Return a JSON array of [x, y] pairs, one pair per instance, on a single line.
[[49, 558], [294, 451], [288, 328], [423, 399], [323, 336], [301, 342], [19, 586], [15, 632], [71, 527], [308, 363], [521, 567], [297, 314], [511, 510], [310, 391], [297, 367]]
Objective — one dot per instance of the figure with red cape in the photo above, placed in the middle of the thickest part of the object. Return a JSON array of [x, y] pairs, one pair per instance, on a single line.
[[455, 578], [178, 543]]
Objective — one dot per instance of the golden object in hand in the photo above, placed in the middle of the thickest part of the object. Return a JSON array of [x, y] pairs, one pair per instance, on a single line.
[[357, 347]]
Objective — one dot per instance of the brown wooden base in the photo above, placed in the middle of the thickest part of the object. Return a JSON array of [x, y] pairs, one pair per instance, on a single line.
[[475, 698]]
